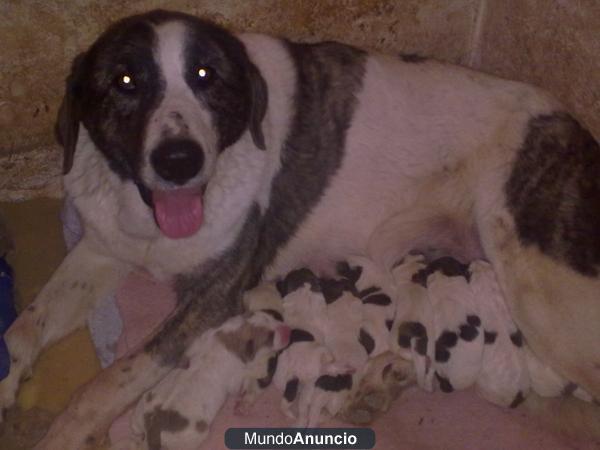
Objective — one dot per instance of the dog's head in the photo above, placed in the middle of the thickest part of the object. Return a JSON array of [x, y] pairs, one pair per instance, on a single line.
[[161, 95]]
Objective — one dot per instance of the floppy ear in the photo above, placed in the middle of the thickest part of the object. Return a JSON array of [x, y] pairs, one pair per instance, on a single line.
[[66, 128], [259, 97]]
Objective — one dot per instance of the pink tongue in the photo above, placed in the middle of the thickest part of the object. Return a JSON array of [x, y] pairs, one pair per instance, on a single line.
[[178, 212]]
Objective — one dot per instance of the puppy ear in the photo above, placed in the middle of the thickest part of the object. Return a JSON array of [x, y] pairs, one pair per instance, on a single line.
[[66, 128], [259, 97]]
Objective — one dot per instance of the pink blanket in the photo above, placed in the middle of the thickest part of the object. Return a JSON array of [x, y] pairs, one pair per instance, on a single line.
[[417, 420]]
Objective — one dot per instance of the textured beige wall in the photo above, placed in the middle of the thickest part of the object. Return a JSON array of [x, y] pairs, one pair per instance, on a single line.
[[554, 44], [40, 38]]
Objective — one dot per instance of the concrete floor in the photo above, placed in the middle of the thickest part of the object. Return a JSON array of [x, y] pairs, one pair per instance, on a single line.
[[39, 249]]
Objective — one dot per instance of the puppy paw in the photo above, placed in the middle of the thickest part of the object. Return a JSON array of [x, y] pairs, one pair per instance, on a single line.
[[358, 416], [366, 406], [8, 392], [385, 378]]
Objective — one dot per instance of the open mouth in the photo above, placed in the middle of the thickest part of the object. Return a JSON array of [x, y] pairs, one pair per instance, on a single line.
[[177, 212]]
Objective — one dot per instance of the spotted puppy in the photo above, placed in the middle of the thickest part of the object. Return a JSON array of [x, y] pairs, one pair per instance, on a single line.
[[384, 374], [411, 336], [458, 339], [375, 287], [299, 368], [341, 330], [344, 317], [503, 378], [176, 414], [303, 302], [453, 324], [315, 370], [509, 368]]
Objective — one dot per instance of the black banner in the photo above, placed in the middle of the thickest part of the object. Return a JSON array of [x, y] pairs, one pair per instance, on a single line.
[[299, 438]]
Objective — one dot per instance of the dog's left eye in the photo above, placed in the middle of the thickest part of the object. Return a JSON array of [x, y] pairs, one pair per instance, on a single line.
[[125, 82], [204, 75]]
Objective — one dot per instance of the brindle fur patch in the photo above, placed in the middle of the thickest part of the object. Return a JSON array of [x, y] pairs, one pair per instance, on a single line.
[[160, 420], [246, 341], [553, 192]]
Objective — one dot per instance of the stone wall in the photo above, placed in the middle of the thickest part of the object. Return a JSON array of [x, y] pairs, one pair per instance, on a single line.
[[552, 43], [41, 37]]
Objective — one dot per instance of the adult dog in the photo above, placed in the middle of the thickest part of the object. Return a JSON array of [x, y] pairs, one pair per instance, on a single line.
[[217, 159]]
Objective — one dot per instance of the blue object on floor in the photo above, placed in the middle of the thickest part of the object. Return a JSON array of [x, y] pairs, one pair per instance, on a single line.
[[8, 313]]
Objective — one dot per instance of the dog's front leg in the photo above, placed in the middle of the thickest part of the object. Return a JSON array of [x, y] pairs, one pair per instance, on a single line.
[[206, 298], [91, 411], [60, 308]]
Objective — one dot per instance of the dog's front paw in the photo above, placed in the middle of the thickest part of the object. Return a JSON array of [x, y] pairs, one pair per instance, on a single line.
[[8, 392], [20, 368], [9, 386]]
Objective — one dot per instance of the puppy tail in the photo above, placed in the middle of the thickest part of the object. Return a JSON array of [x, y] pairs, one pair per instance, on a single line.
[[567, 415]]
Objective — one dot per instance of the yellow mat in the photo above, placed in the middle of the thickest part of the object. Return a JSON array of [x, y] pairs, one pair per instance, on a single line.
[[39, 249]]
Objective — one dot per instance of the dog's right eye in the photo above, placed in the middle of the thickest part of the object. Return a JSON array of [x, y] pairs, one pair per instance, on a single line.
[[125, 82]]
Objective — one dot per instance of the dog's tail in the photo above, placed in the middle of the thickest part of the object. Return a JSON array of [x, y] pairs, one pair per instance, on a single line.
[[567, 415]]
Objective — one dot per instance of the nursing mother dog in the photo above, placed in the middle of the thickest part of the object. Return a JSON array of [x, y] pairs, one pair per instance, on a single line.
[[216, 159]]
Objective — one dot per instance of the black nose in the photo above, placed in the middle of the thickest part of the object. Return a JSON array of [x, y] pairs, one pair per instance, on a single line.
[[177, 160]]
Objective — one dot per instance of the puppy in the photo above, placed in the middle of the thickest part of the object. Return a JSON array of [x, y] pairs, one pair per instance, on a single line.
[[298, 369], [315, 371], [374, 285], [176, 414], [383, 380], [411, 337]]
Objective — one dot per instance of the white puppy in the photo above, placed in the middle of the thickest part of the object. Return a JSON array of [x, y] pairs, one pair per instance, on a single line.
[[376, 289], [412, 331], [177, 413], [503, 378], [298, 368]]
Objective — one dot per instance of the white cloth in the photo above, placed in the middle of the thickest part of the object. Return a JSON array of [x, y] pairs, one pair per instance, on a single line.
[[104, 321]]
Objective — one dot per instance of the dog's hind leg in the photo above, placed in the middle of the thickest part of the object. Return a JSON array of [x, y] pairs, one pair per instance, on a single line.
[[540, 227], [60, 308], [556, 308]]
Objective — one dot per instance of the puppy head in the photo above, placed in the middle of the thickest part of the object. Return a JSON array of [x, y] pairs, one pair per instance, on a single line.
[[253, 335], [161, 96], [272, 333]]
